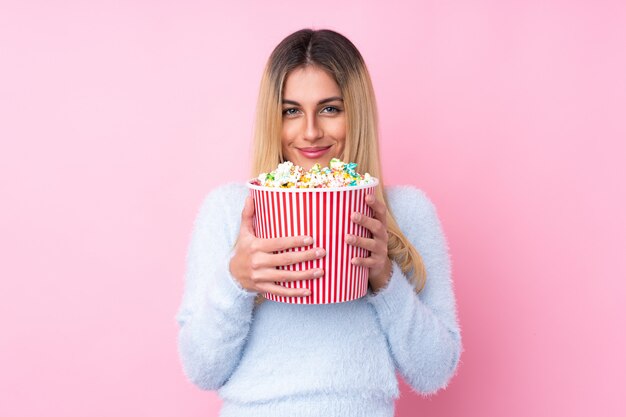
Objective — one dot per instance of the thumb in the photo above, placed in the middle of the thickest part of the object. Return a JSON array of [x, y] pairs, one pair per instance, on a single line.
[[247, 216]]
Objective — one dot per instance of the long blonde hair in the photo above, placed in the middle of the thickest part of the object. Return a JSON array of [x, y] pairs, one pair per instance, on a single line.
[[337, 55]]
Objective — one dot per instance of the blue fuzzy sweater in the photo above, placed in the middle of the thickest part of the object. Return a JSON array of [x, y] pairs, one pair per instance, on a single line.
[[278, 359]]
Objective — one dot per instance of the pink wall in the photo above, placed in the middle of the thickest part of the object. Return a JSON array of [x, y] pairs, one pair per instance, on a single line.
[[509, 114]]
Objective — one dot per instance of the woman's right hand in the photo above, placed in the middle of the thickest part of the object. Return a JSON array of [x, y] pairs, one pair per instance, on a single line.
[[254, 262]]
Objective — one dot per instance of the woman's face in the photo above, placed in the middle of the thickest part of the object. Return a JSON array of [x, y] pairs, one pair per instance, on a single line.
[[314, 122]]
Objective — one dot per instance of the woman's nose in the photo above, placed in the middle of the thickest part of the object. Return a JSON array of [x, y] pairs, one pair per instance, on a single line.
[[312, 130]]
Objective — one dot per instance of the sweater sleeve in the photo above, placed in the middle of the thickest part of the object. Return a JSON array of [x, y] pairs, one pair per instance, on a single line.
[[215, 313], [421, 329]]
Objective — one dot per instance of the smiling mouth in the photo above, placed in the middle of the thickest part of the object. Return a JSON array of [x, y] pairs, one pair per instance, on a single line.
[[321, 148], [314, 153]]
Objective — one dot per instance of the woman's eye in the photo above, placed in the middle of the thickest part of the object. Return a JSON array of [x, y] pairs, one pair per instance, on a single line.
[[288, 112]]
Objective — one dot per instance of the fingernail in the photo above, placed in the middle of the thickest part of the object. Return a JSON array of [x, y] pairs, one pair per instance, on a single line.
[[318, 273], [320, 252], [308, 240], [356, 217], [307, 292], [349, 238]]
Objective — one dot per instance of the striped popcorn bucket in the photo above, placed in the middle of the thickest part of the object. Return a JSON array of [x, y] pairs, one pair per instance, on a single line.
[[324, 214]]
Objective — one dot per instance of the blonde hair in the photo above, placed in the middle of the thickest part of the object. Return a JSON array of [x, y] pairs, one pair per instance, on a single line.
[[337, 55]]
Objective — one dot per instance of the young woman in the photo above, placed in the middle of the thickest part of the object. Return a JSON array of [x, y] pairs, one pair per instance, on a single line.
[[275, 359]]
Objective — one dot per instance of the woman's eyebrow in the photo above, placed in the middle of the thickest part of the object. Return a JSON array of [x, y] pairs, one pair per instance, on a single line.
[[326, 100]]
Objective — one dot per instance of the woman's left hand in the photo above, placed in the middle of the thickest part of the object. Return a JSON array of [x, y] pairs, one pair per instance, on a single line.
[[378, 263]]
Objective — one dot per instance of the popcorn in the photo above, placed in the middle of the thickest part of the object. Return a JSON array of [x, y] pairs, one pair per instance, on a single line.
[[338, 174]]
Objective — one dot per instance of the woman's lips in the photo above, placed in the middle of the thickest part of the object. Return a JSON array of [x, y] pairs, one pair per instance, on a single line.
[[313, 153]]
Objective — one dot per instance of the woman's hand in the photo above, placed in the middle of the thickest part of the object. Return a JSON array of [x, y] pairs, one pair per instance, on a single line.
[[378, 262], [254, 262]]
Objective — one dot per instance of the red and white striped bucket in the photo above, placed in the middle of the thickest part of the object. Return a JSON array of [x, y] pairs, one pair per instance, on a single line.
[[324, 214]]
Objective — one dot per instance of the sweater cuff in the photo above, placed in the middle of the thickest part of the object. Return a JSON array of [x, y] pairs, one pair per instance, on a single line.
[[238, 289], [390, 299], [229, 293]]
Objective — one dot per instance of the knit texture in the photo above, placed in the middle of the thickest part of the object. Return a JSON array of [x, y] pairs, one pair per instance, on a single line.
[[279, 359]]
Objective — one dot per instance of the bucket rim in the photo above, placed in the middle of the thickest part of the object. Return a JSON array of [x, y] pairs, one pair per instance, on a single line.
[[311, 190]]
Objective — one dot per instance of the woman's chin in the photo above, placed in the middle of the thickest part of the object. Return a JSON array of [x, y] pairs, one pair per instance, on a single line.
[[307, 163]]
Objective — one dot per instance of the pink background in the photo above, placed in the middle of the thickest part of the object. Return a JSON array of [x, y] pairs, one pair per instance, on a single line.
[[117, 118]]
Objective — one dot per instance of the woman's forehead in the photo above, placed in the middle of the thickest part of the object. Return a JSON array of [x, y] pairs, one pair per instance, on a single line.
[[310, 85]]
